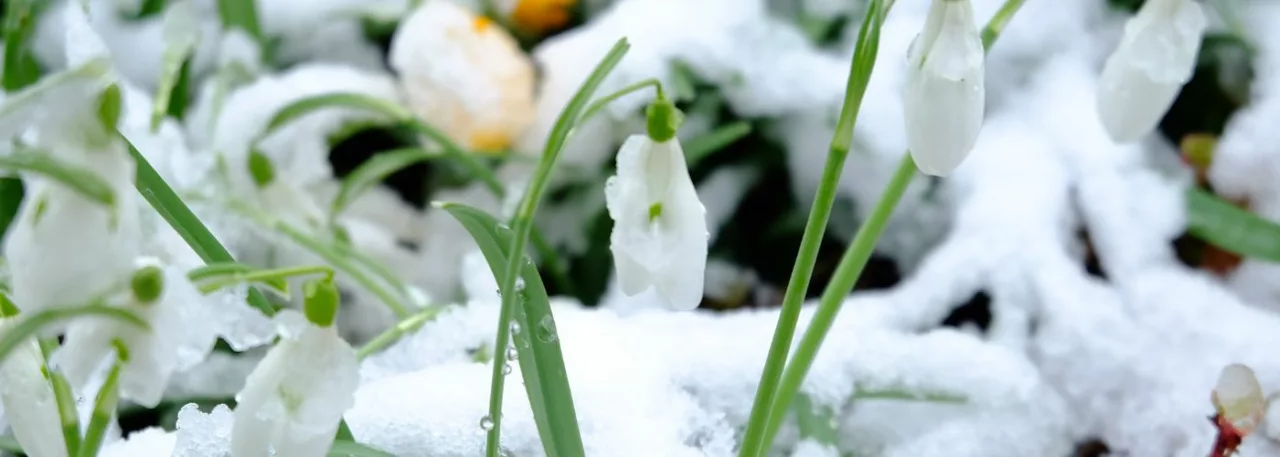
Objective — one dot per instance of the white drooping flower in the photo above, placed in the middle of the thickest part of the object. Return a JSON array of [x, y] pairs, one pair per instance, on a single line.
[[184, 326], [1156, 56], [659, 234], [61, 237], [945, 96], [295, 398], [464, 75], [28, 399]]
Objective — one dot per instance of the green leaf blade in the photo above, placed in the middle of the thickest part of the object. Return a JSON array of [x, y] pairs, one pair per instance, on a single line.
[[81, 180], [1231, 228], [373, 171], [541, 359]]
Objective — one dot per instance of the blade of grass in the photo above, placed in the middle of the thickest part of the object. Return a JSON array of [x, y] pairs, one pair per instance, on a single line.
[[698, 149], [755, 439], [20, 67], [1231, 228], [165, 201], [522, 225], [541, 363], [373, 171], [242, 14], [855, 260]]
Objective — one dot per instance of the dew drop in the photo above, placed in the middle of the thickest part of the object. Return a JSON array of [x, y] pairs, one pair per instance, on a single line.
[[486, 423], [506, 369], [546, 330], [515, 327], [519, 284], [512, 354]]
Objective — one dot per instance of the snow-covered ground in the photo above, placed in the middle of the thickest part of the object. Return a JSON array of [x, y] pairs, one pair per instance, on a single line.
[[1129, 359]]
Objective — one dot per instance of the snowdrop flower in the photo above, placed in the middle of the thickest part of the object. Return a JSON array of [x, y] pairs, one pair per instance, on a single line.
[[464, 74], [27, 396], [294, 399], [659, 235], [1156, 56], [61, 237], [183, 331], [945, 89]]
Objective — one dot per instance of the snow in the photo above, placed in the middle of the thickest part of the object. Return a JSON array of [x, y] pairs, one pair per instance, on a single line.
[[1129, 357]]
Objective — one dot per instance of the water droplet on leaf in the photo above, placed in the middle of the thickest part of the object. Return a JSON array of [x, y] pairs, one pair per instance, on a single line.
[[546, 330], [486, 423]]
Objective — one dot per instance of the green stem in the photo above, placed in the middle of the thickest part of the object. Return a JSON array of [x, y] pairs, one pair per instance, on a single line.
[[65, 400], [994, 26], [103, 409], [846, 275], [600, 103], [855, 260], [265, 275], [522, 225], [393, 334], [863, 61], [342, 263]]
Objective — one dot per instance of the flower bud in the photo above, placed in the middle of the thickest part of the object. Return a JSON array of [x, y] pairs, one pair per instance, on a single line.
[[945, 97], [1156, 56]]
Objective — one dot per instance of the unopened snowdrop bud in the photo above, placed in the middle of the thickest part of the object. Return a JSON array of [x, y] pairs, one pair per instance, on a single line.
[[147, 284], [320, 301], [659, 234], [945, 96], [1156, 57], [28, 399], [294, 399], [1238, 398], [464, 74]]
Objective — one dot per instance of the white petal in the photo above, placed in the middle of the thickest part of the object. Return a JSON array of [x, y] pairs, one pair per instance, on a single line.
[[1156, 56], [82, 42], [945, 92], [28, 400], [60, 238], [299, 391]]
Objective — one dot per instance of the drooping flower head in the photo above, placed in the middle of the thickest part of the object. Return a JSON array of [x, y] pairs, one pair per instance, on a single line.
[[659, 237], [1156, 57], [61, 237], [294, 399], [946, 89]]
